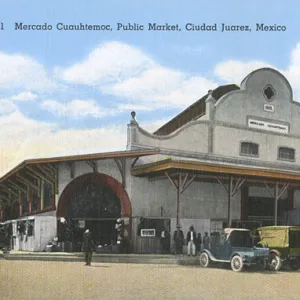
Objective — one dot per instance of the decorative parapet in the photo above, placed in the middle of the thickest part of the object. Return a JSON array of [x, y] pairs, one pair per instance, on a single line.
[[210, 105]]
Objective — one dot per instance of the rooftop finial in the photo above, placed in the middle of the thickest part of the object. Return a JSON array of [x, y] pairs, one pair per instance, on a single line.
[[133, 114], [210, 97], [133, 120]]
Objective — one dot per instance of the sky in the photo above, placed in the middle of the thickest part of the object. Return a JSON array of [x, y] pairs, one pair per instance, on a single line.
[[66, 92]]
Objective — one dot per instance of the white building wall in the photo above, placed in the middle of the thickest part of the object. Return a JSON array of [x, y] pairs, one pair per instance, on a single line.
[[191, 137]]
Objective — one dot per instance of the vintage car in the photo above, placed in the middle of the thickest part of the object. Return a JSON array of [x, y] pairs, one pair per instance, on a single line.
[[235, 247], [284, 244]]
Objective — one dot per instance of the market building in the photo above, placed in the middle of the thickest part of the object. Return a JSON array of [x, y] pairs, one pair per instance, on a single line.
[[230, 158]]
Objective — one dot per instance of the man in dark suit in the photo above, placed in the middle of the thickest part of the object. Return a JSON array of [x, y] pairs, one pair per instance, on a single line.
[[191, 240], [87, 247], [178, 238]]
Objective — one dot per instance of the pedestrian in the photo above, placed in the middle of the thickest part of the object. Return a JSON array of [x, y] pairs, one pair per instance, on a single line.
[[178, 238], [87, 247], [198, 243], [165, 241], [206, 241], [191, 241]]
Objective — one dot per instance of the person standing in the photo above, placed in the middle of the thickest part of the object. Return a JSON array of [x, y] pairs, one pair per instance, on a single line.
[[178, 238], [198, 243], [206, 241], [191, 240], [87, 247], [165, 241]]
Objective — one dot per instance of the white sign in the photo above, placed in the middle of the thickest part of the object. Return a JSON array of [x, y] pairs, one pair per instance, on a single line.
[[269, 107], [148, 232], [81, 223], [268, 126]]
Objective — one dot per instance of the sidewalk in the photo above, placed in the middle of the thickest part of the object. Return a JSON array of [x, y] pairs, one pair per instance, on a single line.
[[103, 257]]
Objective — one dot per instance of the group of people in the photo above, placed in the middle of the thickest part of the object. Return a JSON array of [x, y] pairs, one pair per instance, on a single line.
[[194, 241]]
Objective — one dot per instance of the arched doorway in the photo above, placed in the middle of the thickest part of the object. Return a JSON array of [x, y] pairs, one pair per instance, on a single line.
[[93, 201]]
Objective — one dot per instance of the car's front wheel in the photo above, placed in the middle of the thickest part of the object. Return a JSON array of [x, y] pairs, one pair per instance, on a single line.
[[204, 260], [237, 263], [274, 262]]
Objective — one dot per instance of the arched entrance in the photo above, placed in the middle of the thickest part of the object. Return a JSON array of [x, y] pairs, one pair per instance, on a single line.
[[93, 201]]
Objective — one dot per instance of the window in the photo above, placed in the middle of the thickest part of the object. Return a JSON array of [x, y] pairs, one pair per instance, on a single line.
[[249, 149], [269, 92], [285, 153]]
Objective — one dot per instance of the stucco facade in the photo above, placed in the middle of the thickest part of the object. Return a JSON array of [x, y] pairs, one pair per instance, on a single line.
[[261, 111]]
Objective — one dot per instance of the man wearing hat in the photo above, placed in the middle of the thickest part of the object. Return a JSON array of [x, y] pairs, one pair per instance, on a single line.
[[87, 247], [191, 240]]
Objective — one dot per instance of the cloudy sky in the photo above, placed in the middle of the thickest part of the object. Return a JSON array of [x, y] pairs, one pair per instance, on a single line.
[[71, 92]]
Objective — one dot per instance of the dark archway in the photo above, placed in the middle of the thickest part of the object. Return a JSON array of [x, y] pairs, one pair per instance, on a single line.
[[95, 193], [98, 200]]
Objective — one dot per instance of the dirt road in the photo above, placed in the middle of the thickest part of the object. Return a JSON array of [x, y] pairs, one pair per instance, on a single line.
[[62, 280]]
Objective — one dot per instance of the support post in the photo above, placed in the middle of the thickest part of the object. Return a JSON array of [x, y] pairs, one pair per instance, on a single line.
[[231, 191], [276, 195], [229, 201], [178, 202], [276, 204], [180, 187]]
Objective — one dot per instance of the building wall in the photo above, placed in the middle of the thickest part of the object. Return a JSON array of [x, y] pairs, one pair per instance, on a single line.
[[225, 125], [192, 137], [268, 143]]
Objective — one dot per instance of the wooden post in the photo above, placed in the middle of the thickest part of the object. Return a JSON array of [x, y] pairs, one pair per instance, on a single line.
[[229, 201], [41, 193], [276, 198], [178, 202]]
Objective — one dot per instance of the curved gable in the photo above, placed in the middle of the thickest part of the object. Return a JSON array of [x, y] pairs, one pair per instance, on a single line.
[[260, 79], [264, 94]]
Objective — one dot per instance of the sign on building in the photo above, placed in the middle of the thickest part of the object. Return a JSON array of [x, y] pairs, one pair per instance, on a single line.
[[81, 223], [269, 126], [148, 232], [269, 108]]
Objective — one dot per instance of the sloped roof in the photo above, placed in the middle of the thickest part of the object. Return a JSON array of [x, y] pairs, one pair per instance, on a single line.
[[194, 111], [84, 157]]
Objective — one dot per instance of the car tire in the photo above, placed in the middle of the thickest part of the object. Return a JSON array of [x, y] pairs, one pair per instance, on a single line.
[[204, 260], [294, 265], [274, 262], [236, 263]]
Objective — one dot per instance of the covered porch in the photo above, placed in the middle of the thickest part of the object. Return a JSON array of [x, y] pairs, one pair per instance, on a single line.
[[232, 178]]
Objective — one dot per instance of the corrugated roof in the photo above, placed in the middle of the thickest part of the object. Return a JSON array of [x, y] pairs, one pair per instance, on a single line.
[[94, 156]]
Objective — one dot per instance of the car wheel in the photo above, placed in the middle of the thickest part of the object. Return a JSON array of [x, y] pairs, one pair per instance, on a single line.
[[237, 263], [204, 260], [274, 262], [294, 265]]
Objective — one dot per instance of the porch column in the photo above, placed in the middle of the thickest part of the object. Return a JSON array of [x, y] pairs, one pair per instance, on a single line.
[[180, 186], [229, 201], [231, 191], [178, 203], [278, 192]]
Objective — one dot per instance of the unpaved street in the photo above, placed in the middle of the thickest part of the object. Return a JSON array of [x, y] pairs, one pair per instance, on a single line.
[[71, 280]]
